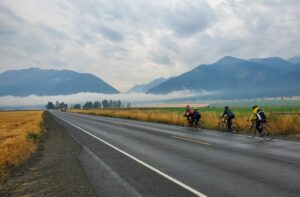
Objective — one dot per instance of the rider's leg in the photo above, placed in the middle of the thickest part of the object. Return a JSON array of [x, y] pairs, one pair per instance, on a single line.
[[229, 123], [258, 127], [191, 120], [196, 121]]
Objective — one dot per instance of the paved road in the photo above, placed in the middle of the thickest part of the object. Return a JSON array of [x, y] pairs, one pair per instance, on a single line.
[[132, 158]]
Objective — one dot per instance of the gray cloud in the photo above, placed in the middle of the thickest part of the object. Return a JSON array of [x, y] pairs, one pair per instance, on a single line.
[[190, 18], [160, 58], [110, 34], [127, 42]]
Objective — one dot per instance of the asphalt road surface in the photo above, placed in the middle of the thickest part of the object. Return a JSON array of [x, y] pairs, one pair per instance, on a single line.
[[133, 158]]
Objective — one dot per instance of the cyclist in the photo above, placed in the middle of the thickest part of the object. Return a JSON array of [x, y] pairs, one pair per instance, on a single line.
[[229, 115], [259, 117], [189, 114], [196, 116]]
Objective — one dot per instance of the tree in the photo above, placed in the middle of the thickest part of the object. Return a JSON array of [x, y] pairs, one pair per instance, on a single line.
[[105, 104], [110, 104], [88, 105], [97, 105], [50, 105], [119, 104], [77, 106]]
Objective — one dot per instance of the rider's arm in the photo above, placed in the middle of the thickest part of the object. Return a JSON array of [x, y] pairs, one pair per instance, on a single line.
[[252, 117], [223, 114]]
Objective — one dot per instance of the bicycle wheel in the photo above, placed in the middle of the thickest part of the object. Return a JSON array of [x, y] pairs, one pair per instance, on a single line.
[[222, 126], [235, 128], [268, 132], [186, 123], [250, 131], [198, 125]]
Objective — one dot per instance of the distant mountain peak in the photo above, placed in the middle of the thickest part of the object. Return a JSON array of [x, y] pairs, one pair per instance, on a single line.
[[143, 88], [228, 60]]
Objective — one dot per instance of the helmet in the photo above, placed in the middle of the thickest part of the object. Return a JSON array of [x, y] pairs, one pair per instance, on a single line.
[[226, 107], [255, 106], [195, 108]]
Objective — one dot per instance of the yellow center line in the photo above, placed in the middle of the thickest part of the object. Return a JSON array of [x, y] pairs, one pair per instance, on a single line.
[[191, 140], [118, 124]]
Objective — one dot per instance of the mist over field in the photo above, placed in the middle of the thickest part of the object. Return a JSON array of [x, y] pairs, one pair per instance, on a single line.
[[133, 98]]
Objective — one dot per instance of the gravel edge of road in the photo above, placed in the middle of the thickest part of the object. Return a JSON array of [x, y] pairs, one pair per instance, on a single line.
[[53, 170]]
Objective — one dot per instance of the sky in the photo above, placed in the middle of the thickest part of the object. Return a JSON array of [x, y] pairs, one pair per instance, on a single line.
[[128, 42]]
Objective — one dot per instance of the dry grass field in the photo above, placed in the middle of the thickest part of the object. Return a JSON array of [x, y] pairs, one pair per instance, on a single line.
[[284, 124], [16, 141]]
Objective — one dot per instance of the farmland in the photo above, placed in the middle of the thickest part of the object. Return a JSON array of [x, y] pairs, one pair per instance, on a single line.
[[286, 120], [19, 132]]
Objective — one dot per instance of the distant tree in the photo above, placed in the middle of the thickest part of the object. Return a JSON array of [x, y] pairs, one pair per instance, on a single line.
[[97, 105], [128, 105], [77, 106], [50, 105], [105, 104], [88, 105], [62, 106], [114, 104], [110, 104], [119, 104]]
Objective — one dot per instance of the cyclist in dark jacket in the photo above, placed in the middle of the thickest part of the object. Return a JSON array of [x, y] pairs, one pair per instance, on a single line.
[[196, 116], [230, 115]]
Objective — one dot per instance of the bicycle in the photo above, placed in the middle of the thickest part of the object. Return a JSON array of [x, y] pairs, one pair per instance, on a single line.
[[188, 124], [222, 125], [268, 132]]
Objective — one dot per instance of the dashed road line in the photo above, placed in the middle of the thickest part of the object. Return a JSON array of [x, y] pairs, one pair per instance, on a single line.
[[191, 140]]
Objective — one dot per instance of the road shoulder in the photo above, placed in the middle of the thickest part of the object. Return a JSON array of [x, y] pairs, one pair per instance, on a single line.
[[54, 170]]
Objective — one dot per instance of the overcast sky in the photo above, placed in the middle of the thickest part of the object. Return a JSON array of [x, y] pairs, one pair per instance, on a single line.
[[127, 42]]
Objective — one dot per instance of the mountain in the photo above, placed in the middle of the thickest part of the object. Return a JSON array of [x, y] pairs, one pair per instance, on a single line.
[[145, 87], [274, 62], [50, 82], [294, 60], [232, 77]]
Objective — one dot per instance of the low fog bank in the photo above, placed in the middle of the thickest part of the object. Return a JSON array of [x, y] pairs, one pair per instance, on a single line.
[[133, 98]]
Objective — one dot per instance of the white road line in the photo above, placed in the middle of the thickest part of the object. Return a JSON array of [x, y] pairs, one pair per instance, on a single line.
[[138, 160]]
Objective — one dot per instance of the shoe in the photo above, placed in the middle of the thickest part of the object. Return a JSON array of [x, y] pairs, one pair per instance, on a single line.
[[261, 135]]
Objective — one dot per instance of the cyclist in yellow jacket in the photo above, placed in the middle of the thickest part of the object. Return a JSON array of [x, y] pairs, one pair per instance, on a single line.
[[259, 117]]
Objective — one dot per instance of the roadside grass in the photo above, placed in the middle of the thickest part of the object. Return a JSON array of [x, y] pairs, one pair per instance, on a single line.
[[284, 124], [19, 135]]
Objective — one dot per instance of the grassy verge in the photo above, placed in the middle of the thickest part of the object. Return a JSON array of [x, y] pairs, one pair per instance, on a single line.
[[19, 136], [285, 124]]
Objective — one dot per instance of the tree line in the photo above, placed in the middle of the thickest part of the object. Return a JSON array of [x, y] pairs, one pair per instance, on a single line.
[[104, 104], [57, 105]]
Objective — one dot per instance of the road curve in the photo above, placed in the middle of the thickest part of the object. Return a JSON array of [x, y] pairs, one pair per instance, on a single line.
[[133, 158]]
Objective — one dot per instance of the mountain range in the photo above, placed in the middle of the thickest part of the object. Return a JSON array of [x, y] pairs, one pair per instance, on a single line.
[[50, 82], [146, 87], [228, 78], [231, 77]]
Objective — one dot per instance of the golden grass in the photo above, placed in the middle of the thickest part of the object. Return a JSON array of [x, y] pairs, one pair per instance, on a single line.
[[288, 124], [15, 148]]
